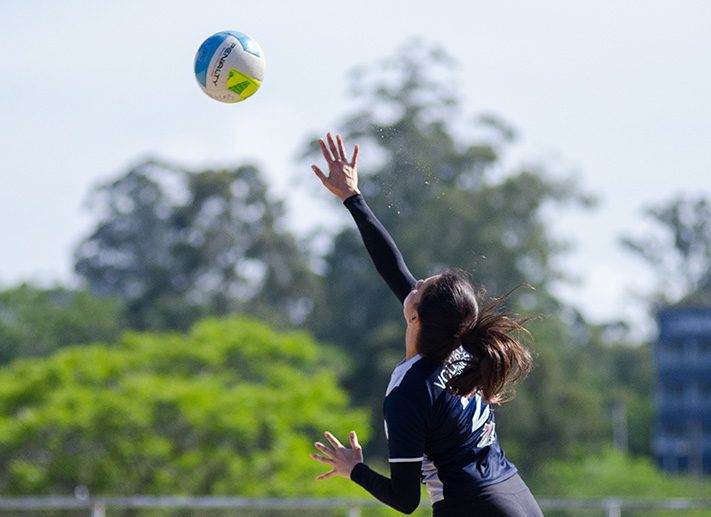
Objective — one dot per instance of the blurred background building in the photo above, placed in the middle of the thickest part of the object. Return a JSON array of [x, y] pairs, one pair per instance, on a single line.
[[682, 434]]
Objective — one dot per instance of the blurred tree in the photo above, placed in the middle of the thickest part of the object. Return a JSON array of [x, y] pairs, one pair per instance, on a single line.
[[611, 474], [559, 410], [438, 184], [625, 377], [36, 321], [174, 245], [678, 251], [232, 408]]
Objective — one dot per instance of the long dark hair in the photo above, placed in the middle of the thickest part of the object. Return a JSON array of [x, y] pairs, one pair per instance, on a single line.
[[495, 357]]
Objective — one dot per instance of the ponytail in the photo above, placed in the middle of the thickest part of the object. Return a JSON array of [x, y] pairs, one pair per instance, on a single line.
[[450, 318], [495, 357]]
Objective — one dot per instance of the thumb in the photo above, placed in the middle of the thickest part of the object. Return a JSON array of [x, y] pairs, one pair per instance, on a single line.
[[319, 173]]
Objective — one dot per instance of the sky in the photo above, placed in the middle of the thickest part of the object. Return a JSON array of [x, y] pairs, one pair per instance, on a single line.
[[615, 94]]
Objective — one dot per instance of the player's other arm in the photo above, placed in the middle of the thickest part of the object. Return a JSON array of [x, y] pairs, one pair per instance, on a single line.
[[342, 181], [401, 491]]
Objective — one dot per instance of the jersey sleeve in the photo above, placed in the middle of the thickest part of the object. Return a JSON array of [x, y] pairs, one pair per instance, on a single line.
[[405, 426], [401, 491], [381, 247]]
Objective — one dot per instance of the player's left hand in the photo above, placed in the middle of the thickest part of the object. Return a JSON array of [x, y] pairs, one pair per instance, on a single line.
[[341, 459]]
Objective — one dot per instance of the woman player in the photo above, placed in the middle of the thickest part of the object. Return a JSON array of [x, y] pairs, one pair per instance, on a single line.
[[459, 359]]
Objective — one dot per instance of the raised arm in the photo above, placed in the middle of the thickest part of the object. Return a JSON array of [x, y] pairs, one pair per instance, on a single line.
[[342, 181], [381, 248]]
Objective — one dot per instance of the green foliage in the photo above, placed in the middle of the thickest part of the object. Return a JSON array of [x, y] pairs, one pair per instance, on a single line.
[[36, 321], [678, 250], [609, 473], [624, 376], [564, 409], [175, 245], [232, 408], [556, 413]]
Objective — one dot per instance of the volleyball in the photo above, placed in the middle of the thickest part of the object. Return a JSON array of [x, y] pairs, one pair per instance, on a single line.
[[229, 66]]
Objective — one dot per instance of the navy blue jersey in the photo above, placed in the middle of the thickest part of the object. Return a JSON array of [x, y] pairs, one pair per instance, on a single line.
[[454, 437]]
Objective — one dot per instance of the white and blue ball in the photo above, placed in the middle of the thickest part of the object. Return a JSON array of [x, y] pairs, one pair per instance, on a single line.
[[229, 66]]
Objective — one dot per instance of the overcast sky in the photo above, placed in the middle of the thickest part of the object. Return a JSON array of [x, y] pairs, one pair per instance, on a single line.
[[615, 93]]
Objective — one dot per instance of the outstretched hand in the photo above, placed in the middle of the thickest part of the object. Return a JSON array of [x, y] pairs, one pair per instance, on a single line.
[[342, 178], [341, 459]]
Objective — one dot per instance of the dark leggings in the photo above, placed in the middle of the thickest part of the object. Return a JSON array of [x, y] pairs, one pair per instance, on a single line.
[[510, 498]]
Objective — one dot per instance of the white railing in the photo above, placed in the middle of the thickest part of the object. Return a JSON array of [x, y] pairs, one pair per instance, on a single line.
[[100, 506]]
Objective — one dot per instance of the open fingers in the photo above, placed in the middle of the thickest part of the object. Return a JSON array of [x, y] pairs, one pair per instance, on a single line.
[[326, 153], [324, 449], [333, 440], [341, 148], [332, 146], [319, 173], [322, 459], [354, 160], [326, 475], [354, 440]]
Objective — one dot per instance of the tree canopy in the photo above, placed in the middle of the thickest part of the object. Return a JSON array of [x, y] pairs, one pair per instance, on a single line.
[[36, 321], [231, 408], [678, 250], [175, 245]]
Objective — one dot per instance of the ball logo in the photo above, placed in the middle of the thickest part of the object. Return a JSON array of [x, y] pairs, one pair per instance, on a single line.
[[242, 85], [218, 70]]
